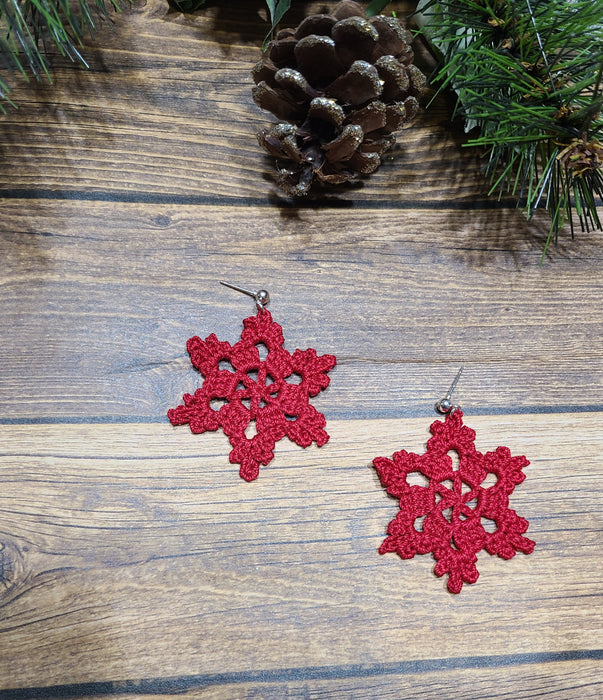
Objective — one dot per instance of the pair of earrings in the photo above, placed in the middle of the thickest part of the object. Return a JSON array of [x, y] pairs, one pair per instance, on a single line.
[[457, 513]]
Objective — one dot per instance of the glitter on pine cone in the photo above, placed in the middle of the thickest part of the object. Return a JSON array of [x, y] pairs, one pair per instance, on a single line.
[[341, 84]]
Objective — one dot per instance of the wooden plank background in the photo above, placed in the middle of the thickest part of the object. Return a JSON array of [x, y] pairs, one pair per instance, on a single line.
[[133, 559]]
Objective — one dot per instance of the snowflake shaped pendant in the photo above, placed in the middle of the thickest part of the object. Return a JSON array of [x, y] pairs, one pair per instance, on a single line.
[[256, 391], [455, 515]]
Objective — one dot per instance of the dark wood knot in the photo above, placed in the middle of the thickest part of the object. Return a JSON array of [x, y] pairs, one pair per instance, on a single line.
[[12, 569]]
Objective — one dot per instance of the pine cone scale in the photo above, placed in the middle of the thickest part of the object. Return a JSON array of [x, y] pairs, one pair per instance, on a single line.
[[355, 39], [396, 80], [295, 84], [370, 118], [344, 146], [326, 110], [317, 59], [359, 85], [320, 25], [274, 101], [282, 52]]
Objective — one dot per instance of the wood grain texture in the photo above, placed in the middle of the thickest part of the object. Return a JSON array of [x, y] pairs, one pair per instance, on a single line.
[[107, 336], [132, 534], [133, 560]]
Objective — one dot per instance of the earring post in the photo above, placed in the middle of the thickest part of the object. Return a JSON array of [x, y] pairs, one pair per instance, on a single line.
[[261, 297], [455, 382], [239, 289], [444, 405]]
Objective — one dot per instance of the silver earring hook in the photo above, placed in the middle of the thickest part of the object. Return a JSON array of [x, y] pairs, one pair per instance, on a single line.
[[445, 405], [261, 297]]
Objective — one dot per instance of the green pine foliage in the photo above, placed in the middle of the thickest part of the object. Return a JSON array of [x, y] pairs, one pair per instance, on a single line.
[[30, 28], [528, 74]]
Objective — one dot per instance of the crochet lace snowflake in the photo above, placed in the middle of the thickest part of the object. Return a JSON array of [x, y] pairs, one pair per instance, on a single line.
[[455, 514], [241, 390]]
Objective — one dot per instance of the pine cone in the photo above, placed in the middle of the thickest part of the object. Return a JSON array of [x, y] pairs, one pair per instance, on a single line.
[[341, 84]]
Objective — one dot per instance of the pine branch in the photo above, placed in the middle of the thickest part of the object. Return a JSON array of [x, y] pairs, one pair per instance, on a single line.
[[528, 74], [28, 28]]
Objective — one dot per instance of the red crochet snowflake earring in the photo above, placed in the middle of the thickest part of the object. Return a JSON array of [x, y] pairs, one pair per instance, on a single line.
[[458, 512], [271, 395]]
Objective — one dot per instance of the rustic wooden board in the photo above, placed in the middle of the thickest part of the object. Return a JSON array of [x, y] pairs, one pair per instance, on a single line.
[[133, 560], [137, 552], [100, 303], [481, 677]]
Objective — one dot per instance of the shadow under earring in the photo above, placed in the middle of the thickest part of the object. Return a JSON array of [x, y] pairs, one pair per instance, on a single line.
[[459, 512], [254, 393]]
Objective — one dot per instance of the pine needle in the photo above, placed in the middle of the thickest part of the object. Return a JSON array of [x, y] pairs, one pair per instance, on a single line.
[[29, 27]]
